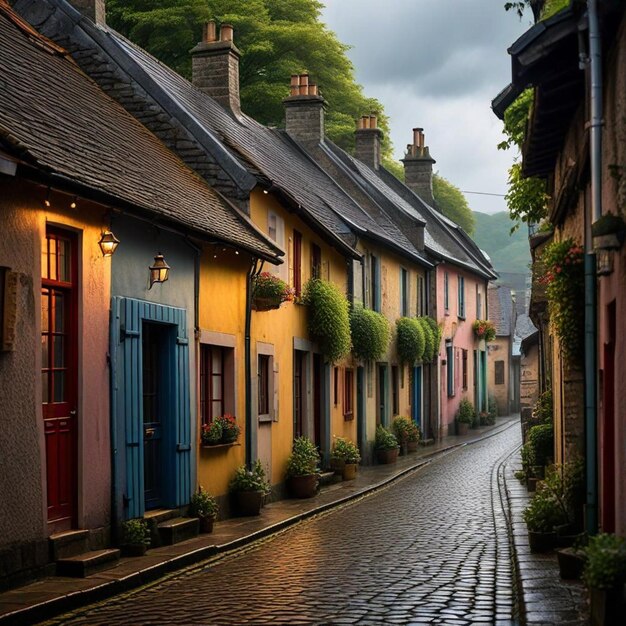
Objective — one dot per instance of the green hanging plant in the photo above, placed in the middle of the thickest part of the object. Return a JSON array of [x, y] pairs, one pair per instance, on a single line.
[[410, 338], [562, 273], [437, 334], [328, 318], [370, 334], [429, 339]]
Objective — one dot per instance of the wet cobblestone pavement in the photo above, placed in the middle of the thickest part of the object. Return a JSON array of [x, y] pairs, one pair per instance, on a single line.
[[430, 549]]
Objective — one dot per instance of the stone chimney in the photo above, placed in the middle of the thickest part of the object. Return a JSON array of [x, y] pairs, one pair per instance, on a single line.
[[367, 141], [418, 168], [95, 10], [215, 66], [304, 111]]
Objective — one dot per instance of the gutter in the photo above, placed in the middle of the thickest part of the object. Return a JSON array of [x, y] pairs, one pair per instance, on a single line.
[[591, 366]]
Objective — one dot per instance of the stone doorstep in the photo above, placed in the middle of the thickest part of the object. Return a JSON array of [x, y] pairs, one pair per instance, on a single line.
[[178, 529], [68, 544], [158, 516], [329, 478], [83, 565]]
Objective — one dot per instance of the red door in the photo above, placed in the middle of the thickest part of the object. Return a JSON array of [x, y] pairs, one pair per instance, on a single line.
[[58, 375]]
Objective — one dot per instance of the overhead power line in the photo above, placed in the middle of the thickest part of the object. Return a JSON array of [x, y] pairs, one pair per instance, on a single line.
[[485, 193]]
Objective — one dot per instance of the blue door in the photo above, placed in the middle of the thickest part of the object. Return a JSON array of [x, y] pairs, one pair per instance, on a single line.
[[150, 406], [416, 397]]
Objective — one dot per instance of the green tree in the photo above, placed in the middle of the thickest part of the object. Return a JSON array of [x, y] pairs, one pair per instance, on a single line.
[[452, 203], [277, 38]]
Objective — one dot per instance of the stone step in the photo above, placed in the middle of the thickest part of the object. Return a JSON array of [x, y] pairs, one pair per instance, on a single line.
[[158, 516], [83, 565], [329, 478], [178, 529], [427, 442], [68, 543]]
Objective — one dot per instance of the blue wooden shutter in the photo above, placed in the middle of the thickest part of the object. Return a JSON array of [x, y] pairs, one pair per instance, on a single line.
[[182, 487]]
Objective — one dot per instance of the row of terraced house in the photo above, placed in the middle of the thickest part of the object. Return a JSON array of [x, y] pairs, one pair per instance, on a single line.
[[116, 174]]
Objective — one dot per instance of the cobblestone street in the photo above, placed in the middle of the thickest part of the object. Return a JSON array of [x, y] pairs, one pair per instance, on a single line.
[[431, 548]]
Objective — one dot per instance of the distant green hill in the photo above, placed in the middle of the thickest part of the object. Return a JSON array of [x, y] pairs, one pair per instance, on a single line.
[[508, 253]]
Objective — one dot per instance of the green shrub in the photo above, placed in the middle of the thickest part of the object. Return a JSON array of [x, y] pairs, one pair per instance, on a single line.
[[414, 433], [250, 480], [437, 333], [304, 458], [542, 411], [345, 450], [493, 407], [541, 440], [401, 427], [328, 318], [202, 504], [466, 413], [370, 334], [384, 440], [429, 339], [410, 338], [566, 484], [543, 513], [135, 532], [606, 561], [528, 458]]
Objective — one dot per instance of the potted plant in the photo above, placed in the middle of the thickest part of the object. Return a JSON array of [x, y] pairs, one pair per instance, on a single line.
[[385, 446], [135, 537], [541, 438], [249, 488], [464, 417], [211, 434], [541, 516], [605, 575], [484, 329], [269, 292], [401, 426], [302, 475], [413, 438], [203, 506], [230, 428], [571, 562], [346, 455]]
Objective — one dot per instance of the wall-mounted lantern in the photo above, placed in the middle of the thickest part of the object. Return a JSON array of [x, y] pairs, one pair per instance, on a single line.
[[159, 270], [108, 243]]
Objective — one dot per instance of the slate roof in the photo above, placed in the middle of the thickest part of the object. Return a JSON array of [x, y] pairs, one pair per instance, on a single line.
[[443, 239], [501, 310], [62, 123]]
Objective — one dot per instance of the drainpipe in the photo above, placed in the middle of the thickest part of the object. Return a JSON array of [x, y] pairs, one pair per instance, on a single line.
[[255, 268], [591, 435]]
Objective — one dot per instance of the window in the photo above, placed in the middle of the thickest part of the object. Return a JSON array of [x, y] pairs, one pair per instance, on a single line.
[[461, 289], [276, 231], [299, 369], [450, 369], [211, 382], [348, 394], [446, 295], [316, 261], [395, 390], [271, 226], [464, 359], [479, 304], [421, 297], [297, 263], [404, 292], [375, 283], [499, 372], [264, 370]]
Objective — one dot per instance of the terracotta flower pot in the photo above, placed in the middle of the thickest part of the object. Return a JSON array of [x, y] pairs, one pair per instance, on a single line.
[[337, 465], [412, 446], [541, 542], [385, 457], [206, 523], [349, 471], [302, 486], [462, 428], [260, 303], [134, 549], [249, 503]]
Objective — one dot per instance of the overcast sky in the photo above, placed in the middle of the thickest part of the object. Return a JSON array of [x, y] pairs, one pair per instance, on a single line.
[[437, 64]]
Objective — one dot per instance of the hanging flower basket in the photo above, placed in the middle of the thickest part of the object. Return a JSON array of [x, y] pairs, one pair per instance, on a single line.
[[269, 292], [484, 329]]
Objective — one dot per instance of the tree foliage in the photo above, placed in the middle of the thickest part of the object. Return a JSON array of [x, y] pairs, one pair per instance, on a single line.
[[452, 203], [277, 38]]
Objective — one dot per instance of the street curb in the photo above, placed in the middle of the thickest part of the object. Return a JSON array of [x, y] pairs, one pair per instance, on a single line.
[[51, 608]]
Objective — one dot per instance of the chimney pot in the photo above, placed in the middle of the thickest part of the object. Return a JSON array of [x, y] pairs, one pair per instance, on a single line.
[[366, 121], [304, 117], [373, 121], [209, 32], [312, 89], [226, 32], [367, 141], [95, 10], [418, 168]]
